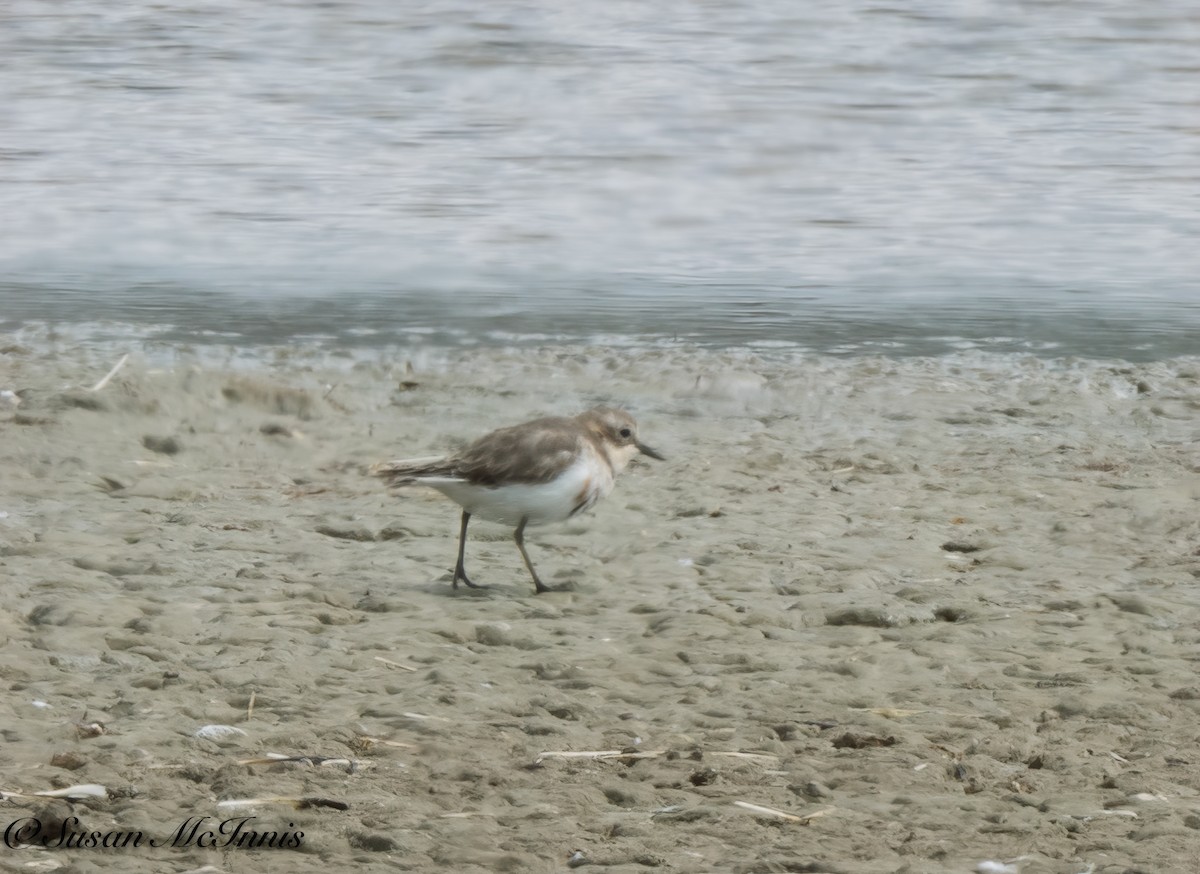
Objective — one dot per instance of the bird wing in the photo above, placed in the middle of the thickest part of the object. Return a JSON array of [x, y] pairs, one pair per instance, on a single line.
[[533, 453]]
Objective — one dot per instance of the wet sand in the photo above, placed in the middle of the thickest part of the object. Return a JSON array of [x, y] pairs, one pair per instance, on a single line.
[[940, 612]]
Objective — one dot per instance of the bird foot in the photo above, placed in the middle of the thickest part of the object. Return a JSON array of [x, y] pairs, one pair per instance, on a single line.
[[460, 574]]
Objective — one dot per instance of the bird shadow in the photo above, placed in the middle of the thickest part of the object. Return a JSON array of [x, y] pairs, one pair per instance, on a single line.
[[442, 587]]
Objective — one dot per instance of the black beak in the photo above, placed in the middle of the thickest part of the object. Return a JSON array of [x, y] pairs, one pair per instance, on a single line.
[[646, 450]]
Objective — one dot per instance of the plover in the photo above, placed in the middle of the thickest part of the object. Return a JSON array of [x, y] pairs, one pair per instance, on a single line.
[[542, 471]]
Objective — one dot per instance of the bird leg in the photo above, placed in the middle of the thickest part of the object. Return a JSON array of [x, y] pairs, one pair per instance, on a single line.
[[460, 572], [519, 537]]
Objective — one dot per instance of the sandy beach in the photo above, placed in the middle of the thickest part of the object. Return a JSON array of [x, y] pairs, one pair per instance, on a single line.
[[921, 615]]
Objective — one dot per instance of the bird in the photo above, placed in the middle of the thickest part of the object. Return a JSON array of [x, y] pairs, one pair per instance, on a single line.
[[541, 471]]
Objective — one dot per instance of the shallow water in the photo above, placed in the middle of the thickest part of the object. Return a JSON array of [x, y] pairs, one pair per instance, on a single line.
[[997, 173]]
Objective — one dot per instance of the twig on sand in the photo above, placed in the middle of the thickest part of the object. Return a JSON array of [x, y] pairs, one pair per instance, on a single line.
[[889, 712], [70, 793], [466, 814], [598, 754], [108, 484], [762, 757], [298, 803], [392, 664], [341, 408], [108, 376], [351, 765], [250, 706], [646, 754], [367, 742], [411, 715], [781, 814]]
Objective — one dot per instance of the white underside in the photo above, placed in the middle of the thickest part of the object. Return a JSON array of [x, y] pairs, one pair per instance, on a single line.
[[541, 503]]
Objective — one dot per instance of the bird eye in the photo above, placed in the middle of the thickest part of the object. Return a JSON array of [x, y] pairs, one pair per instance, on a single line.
[[625, 433]]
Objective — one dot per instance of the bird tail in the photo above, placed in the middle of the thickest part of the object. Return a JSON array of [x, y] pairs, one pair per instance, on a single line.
[[406, 471]]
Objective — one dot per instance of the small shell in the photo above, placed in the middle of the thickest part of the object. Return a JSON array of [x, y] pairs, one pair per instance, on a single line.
[[217, 732], [988, 866], [90, 729], [1147, 796]]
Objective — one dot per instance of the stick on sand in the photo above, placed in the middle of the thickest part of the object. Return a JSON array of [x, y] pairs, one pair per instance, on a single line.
[[779, 814], [108, 376], [71, 793], [598, 754], [392, 664]]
